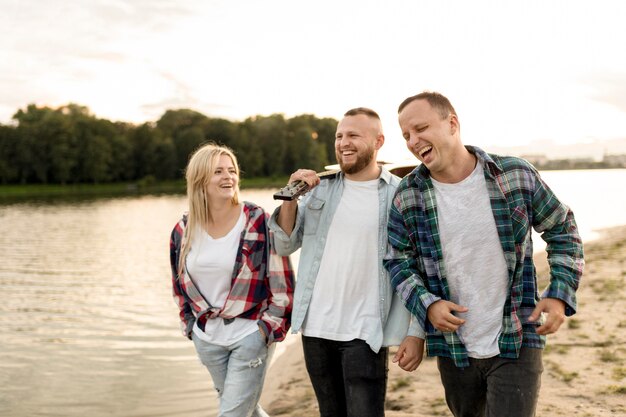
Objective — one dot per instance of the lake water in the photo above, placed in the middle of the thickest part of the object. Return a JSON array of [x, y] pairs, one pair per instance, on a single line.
[[597, 197], [88, 326]]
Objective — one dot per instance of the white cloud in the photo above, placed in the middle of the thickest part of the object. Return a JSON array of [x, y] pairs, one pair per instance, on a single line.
[[516, 71]]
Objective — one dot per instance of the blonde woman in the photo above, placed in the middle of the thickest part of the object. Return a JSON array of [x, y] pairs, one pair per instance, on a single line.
[[234, 292]]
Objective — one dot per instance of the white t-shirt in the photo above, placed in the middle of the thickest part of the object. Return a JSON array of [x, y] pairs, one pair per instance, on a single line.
[[210, 265], [473, 260], [344, 304]]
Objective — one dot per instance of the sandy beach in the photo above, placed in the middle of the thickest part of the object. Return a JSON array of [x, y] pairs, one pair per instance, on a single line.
[[584, 363]]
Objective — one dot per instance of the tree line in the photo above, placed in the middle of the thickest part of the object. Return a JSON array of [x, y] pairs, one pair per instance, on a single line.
[[69, 145]]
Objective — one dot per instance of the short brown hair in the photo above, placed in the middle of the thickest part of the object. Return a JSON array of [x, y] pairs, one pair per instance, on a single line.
[[437, 101], [362, 110]]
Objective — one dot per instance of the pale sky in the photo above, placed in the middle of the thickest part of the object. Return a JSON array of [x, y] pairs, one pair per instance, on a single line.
[[517, 72]]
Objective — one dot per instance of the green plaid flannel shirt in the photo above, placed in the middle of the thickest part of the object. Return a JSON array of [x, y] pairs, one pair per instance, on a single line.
[[519, 200]]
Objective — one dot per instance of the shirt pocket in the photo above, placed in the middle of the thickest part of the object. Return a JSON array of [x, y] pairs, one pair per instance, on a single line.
[[520, 223], [252, 255], [312, 215]]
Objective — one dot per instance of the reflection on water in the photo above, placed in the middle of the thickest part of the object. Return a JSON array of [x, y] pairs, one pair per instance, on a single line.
[[88, 326], [87, 320]]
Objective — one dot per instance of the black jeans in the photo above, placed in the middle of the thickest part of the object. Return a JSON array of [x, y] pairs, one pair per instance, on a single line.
[[349, 379], [494, 387]]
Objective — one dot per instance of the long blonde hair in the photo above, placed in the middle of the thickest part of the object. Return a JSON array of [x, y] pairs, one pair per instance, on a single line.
[[198, 174]]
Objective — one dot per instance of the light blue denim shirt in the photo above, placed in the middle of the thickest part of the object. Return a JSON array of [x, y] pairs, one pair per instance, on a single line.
[[315, 213]]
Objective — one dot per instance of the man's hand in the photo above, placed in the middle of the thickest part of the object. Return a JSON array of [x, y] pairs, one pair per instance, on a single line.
[[307, 175], [289, 209], [441, 317], [410, 353], [555, 309]]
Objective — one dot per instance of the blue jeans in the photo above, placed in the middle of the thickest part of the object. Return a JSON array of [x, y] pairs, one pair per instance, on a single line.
[[493, 387], [349, 379], [238, 372]]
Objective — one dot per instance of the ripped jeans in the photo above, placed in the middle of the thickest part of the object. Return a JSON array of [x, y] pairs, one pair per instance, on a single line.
[[238, 372]]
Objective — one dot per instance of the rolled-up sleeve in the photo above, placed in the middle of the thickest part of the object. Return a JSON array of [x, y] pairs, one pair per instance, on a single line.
[[284, 244]]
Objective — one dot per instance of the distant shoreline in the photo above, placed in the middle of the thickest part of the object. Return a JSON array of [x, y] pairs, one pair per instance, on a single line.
[[15, 192], [19, 192]]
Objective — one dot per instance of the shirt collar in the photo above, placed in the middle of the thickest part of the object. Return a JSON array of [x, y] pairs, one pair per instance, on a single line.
[[422, 173], [486, 160], [385, 175]]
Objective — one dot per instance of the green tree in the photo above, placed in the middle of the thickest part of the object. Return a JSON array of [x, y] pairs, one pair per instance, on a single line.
[[270, 135], [68, 144], [9, 171], [96, 159], [248, 153], [305, 148], [307, 153], [144, 151], [93, 143], [165, 159], [221, 131], [185, 128], [48, 134], [324, 130], [173, 121], [185, 142], [122, 164]]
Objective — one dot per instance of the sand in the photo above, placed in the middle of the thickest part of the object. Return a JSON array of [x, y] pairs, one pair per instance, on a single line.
[[584, 362]]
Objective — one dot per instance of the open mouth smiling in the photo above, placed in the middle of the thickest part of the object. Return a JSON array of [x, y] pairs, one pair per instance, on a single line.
[[425, 151]]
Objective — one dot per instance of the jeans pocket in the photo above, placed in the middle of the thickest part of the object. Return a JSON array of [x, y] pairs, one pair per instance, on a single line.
[[262, 336], [254, 342]]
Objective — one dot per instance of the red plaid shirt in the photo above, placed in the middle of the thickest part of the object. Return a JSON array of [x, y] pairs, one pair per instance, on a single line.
[[262, 282]]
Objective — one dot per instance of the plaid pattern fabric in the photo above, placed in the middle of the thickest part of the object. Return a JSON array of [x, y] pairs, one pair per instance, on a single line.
[[519, 200], [262, 283]]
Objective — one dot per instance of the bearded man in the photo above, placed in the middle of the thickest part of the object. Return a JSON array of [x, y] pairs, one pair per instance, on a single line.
[[344, 305]]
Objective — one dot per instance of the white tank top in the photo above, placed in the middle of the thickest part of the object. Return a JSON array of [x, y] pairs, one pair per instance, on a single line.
[[473, 259]]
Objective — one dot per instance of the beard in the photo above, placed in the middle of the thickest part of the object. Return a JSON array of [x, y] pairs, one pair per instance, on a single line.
[[363, 159]]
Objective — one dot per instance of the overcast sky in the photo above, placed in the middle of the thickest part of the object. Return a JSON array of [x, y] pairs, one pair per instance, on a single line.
[[518, 72]]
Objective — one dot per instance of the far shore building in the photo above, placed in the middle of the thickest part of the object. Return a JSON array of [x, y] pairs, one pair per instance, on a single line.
[[615, 160]]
